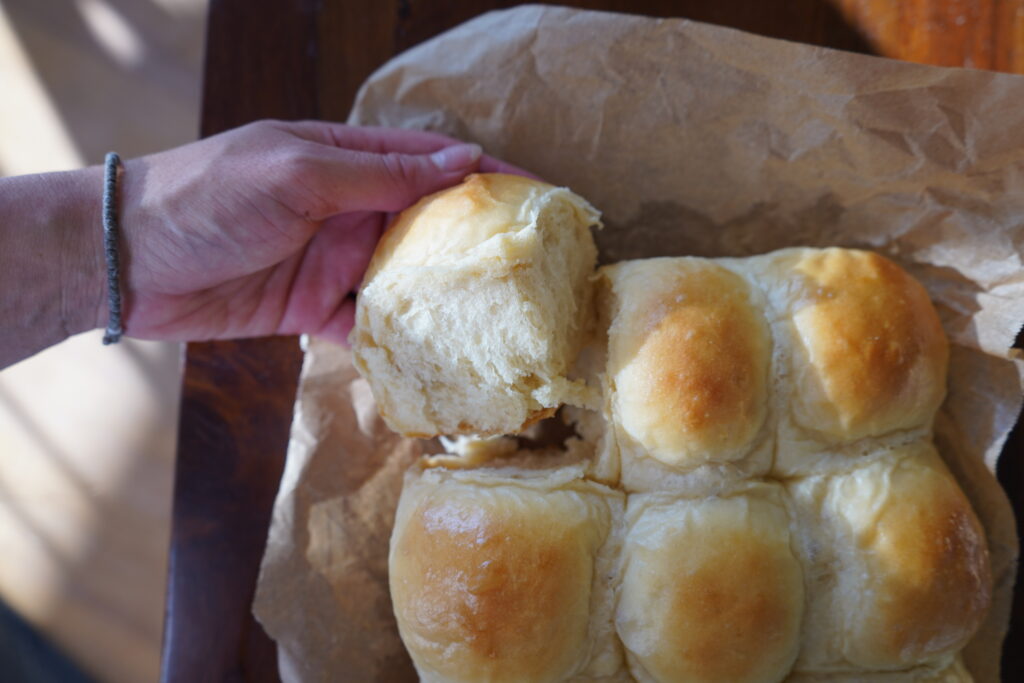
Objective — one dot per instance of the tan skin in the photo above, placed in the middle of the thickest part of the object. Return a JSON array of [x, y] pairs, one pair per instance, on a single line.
[[265, 229]]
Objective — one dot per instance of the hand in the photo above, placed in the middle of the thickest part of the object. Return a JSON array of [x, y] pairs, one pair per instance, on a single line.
[[268, 228]]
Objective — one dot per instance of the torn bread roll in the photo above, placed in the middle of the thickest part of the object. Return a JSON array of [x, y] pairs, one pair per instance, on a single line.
[[474, 307]]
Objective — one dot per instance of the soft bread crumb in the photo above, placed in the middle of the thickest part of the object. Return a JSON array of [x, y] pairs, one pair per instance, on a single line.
[[475, 306]]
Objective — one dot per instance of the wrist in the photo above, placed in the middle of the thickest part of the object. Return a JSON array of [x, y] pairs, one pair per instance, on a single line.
[[82, 264]]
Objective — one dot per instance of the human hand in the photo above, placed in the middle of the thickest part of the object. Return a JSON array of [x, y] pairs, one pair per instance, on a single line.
[[268, 228]]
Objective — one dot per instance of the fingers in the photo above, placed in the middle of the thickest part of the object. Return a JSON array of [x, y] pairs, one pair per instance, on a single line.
[[383, 140], [370, 138], [354, 168], [346, 180]]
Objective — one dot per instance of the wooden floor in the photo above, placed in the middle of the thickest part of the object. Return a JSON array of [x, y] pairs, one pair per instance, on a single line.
[[87, 432]]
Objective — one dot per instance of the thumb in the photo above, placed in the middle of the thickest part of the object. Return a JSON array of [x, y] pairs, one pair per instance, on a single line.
[[364, 181]]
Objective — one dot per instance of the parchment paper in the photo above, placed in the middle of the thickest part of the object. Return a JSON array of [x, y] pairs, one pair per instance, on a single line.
[[692, 139]]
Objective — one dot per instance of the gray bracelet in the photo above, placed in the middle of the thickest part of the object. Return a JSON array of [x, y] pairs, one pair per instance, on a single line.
[[111, 237]]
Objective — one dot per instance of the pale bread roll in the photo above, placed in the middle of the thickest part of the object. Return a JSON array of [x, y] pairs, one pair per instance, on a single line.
[[898, 570], [711, 591], [689, 355], [474, 307], [503, 575]]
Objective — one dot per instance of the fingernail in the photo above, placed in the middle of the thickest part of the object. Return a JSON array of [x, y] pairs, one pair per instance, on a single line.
[[456, 157]]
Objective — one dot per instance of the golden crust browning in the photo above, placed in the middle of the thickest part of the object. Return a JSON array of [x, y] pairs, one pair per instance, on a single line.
[[712, 591], [688, 360], [875, 352], [494, 584], [443, 226], [927, 570]]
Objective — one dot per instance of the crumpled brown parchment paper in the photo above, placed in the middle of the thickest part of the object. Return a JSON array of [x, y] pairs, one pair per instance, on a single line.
[[692, 139]]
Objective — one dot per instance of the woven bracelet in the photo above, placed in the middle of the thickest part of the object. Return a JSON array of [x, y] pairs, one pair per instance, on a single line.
[[111, 238]]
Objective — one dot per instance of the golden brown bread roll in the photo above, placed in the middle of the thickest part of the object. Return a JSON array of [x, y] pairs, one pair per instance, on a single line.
[[688, 373], [871, 344], [711, 590], [861, 349], [460, 327], [504, 577], [770, 506]]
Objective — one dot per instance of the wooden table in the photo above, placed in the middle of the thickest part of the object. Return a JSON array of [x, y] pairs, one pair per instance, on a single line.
[[295, 59]]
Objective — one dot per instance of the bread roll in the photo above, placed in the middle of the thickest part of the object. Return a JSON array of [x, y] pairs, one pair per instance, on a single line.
[[863, 353], [897, 564], [710, 588], [474, 306], [688, 372], [498, 576]]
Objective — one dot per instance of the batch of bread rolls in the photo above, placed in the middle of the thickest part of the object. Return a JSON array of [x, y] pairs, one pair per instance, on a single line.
[[750, 493]]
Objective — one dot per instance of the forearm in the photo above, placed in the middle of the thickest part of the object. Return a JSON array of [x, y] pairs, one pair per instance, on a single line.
[[51, 260]]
